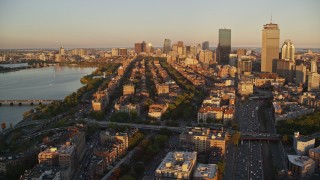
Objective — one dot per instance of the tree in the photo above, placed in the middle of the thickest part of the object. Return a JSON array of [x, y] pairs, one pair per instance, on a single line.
[[236, 138], [3, 126], [285, 139]]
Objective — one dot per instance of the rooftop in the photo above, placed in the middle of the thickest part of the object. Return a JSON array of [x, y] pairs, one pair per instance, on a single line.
[[316, 150], [66, 149], [300, 160], [178, 161], [205, 171]]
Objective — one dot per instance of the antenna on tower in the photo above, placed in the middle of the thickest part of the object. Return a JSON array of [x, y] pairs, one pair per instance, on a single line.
[[271, 19]]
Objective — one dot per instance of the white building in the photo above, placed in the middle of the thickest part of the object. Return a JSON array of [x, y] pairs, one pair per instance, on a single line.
[[177, 165], [206, 171]]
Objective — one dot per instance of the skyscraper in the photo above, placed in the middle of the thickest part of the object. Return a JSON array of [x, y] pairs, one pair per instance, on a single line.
[[61, 51], [270, 46], [224, 46], [313, 77], [167, 46], [205, 45], [138, 47], [287, 50]]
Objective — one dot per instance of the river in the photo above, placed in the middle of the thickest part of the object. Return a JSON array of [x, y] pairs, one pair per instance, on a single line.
[[51, 83]]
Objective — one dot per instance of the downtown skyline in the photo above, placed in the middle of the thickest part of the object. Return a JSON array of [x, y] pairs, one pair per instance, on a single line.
[[37, 24]]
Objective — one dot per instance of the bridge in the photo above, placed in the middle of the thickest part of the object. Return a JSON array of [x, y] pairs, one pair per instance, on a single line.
[[260, 136], [139, 126], [29, 102]]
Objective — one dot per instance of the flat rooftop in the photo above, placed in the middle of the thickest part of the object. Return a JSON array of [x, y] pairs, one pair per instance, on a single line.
[[66, 149], [178, 161], [205, 171], [300, 160]]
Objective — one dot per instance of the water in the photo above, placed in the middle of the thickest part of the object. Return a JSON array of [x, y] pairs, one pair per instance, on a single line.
[[51, 83]]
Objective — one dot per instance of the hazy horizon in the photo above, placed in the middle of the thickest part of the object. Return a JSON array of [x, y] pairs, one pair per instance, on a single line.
[[100, 24]]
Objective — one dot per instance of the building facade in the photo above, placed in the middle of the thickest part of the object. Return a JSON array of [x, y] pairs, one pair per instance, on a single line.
[[224, 46], [270, 46]]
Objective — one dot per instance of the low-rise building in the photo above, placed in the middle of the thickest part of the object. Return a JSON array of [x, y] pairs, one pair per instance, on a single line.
[[162, 88], [156, 110], [204, 139], [245, 88], [206, 172], [177, 165], [128, 89], [301, 166], [49, 156], [302, 144], [315, 155]]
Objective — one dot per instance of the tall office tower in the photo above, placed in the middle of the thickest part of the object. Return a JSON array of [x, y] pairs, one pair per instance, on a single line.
[[180, 43], [188, 49], [287, 50], [313, 77], [61, 51], [224, 46], [198, 48], [149, 48], [144, 46], [167, 46], [313, 67], [193, 52], [205, 45], [285, 68], [270, 46], [138, 47], [313, 81], [301, 74], [175, 48], [115, 52]]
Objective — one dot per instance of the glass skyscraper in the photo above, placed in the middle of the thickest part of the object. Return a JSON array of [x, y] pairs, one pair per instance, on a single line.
[[167, 46], [224, 46]]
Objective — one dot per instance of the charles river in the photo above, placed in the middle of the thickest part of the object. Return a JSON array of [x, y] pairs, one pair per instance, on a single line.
[[51, 83]]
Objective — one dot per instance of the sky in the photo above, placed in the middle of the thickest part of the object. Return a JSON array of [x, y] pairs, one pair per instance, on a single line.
[[121, 23]]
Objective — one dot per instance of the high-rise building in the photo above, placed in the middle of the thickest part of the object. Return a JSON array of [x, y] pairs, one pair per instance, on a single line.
[[61, 51], [115, 52], [244, 65], [198, 48], [270, 46], [138, 48], [180, 44], [123, 52], [149, 48], [167, 46], [313, 66], [287, 50], [206, 56], [224, 46], [301, 74], [144, 46], [313, 77], [205, 45], [285, 68]]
